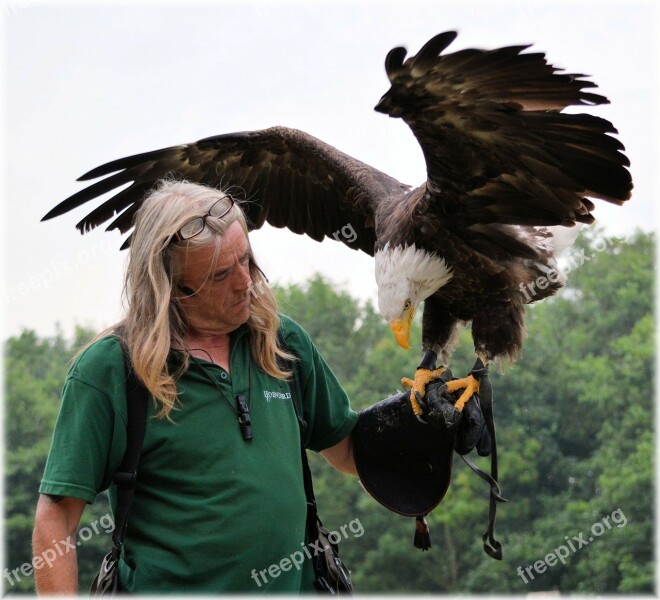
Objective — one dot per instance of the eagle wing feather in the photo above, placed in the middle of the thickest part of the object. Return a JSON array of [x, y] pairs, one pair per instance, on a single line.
[[498, 147], [286, 178]]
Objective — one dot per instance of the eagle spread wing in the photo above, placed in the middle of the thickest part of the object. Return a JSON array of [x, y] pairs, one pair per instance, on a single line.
[[497, 147], [286, 177]]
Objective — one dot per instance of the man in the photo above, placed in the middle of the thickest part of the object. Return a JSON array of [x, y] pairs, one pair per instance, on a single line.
[[201, 328]]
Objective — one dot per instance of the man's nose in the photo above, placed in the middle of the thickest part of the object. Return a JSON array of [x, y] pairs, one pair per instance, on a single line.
[[243, 279]]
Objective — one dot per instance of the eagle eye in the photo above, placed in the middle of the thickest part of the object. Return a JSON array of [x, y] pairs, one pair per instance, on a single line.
[[407, 304]]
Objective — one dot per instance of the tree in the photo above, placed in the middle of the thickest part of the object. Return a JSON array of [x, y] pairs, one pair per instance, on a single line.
[[34, 375], [343, 330]]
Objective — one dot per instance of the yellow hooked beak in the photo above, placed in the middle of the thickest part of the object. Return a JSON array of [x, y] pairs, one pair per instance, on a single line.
[[401, 327]]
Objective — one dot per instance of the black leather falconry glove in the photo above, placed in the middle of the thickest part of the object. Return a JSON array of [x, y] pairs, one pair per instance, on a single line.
[[469, 424], [405, 463]]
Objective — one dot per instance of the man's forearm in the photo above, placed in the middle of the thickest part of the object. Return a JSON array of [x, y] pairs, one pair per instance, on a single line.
[[54, 547], [340, 456], [58, 572]]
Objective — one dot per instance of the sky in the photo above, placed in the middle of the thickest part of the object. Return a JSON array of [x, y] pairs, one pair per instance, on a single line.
[[87, 83]]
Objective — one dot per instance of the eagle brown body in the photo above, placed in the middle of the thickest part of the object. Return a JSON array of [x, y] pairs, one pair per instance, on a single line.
[[493, 267], [506, 169]]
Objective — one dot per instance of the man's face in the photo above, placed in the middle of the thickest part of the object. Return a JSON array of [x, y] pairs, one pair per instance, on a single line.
[[222, 299]]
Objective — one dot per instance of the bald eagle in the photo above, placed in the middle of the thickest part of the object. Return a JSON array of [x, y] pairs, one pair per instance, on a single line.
[[507, 171]]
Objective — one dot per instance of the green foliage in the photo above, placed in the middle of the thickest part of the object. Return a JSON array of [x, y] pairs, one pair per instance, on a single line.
[[575, 435], [339, 326], [34, 374]]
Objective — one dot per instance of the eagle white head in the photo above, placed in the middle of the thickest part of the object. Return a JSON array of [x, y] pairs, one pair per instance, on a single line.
[[405, 276]]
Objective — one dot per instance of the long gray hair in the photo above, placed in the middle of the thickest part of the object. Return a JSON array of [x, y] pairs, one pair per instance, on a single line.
[[154, 321]]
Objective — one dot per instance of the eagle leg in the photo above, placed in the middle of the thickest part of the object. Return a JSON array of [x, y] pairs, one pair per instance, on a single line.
[[425, 373], [469, 385]]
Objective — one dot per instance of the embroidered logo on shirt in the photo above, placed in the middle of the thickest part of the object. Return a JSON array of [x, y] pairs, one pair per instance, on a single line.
[[276, 395]]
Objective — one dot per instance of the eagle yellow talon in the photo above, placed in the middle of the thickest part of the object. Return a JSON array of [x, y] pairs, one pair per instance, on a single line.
[[418, 385], [469, 384], [417, 409]]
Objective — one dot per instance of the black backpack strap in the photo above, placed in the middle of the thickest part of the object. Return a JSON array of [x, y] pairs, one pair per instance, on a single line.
[[331, 576], [312, 513], [125, 477]]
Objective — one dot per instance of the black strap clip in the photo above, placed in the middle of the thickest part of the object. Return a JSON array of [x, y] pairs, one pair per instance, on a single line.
[[244, 422]]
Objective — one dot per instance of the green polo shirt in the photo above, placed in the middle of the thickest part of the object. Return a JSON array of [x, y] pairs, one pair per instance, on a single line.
[[212, 513]]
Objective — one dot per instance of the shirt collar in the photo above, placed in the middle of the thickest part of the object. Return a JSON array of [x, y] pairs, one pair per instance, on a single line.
[[175, 357]]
